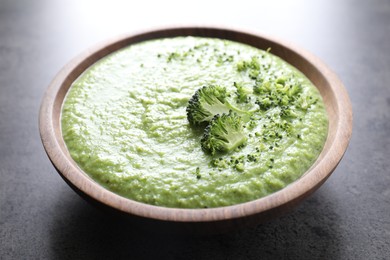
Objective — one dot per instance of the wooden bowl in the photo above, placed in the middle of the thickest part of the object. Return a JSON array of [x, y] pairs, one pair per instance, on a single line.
[[214, 219]]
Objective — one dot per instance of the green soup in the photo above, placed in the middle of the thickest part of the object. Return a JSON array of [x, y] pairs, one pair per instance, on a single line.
[[124, 122]]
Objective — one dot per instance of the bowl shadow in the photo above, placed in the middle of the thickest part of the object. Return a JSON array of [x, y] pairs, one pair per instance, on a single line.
[[311, 231]]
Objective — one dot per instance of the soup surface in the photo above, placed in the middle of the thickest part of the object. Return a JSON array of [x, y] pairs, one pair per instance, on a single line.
[[124, 121]]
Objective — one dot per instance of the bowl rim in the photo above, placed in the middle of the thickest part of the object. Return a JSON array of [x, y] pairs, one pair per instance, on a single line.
[[287, 197]]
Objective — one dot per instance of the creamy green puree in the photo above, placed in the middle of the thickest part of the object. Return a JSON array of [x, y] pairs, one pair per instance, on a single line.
[[124, 122]]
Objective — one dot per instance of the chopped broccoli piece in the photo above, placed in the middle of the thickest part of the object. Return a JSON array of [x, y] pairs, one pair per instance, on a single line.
[[279, 94], [253, 64], [242, 92], [224, 133], [207, 102]]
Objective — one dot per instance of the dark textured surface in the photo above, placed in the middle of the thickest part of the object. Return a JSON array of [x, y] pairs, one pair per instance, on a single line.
[[42, 218]]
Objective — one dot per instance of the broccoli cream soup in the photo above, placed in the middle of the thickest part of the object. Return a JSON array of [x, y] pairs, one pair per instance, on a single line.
[[193, 122]]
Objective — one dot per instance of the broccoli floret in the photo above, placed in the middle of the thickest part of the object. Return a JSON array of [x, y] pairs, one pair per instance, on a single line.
[[224, 134], [207, 102]]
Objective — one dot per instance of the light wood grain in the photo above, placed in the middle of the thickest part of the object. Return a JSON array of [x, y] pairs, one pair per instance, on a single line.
[[199, 220]]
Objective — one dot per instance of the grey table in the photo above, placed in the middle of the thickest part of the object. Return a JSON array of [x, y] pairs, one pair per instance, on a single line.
[[42, 218]]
